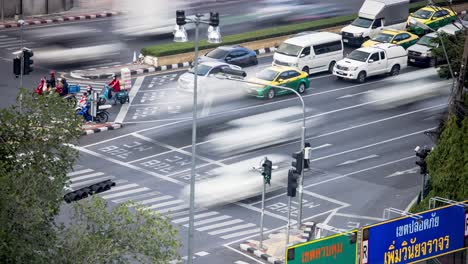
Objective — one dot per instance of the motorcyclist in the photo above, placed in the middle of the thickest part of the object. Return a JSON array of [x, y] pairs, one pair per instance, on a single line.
[[83, 100], [115, 85], [64, 91], [40, 87], [52, 81]]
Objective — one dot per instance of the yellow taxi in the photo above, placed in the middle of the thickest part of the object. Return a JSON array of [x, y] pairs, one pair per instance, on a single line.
[[400, 37], [432, 16]]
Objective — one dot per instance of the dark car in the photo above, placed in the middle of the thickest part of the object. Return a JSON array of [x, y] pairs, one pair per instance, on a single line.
[[236, 55]]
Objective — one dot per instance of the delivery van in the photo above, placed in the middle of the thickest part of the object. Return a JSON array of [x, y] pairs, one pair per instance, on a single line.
[[310, 52], [373, 16]]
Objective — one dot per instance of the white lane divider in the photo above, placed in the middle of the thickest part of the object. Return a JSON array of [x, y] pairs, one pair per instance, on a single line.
[[357, 160], [124, 109], [353, 95]]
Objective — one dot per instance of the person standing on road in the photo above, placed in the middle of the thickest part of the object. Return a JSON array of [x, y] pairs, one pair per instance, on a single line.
[[53, 80]]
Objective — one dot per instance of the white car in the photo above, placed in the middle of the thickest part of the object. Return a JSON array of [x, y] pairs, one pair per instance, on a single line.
[[205, 81]]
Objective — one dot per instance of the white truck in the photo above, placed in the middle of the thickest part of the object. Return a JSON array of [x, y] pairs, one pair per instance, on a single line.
[[383, 58], [373, 16]]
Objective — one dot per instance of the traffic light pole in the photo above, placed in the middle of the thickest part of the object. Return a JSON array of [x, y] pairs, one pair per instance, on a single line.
[[21, 22], [289, 220], [263, 213]]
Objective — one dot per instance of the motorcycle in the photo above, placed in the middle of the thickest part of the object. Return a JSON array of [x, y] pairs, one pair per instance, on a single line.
[[121, 96], [102, 116]]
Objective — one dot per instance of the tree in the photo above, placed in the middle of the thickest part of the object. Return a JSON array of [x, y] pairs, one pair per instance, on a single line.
[[454, 45], [33, 166], [126, 233]]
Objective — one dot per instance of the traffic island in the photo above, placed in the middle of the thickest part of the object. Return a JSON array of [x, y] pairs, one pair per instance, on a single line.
[[90, 128], [274, 247]]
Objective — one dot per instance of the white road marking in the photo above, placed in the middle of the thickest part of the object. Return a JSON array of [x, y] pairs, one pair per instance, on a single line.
[[231, 222], [243, 233], [240, 262], [133, 91], [398, 173], [202, 253], [70, 174], [185, 219], [230, 229], [122, 187], [359, 171], [95, 180], [357, 160], [173, 209], [411, 203], [210, 220], [136, 197], [156, 199], [115, 195], [92, 175], [353, 95], [154, 206], [360, 217], [243, 254]]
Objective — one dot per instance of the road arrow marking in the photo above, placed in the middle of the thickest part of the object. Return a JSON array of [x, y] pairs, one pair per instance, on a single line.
[[352, 95], [357, 160], [398, 173]]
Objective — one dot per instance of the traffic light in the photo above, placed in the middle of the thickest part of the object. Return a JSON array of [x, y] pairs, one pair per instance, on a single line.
[[87, 191], [292, 182], [180, 17], [214, 19], [28, 62], [298, 159], [17, 67], [422, 154], [267, 167]]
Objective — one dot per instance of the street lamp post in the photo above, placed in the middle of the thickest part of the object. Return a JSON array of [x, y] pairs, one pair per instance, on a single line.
[[180, 35], [228, 74]]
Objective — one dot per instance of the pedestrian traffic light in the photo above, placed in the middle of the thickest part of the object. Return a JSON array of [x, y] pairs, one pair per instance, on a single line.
[[87, 191], [214, 19], [267, 168], [17, 67], [180, 17], [422, 154], [28, 62], [292, 182], [298, 159]]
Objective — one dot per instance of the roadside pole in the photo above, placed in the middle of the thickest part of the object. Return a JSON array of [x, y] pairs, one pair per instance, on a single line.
[[289, 221], [263, 213], [21, 22]]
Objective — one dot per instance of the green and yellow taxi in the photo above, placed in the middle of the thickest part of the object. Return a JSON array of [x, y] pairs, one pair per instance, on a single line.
[[432, 16], [400, 37], [278, 76]]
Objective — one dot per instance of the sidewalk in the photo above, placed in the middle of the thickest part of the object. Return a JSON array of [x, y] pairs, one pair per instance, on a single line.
[[84, 10]]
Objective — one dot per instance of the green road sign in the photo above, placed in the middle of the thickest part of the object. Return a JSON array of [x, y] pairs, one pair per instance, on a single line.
[[337, 249]]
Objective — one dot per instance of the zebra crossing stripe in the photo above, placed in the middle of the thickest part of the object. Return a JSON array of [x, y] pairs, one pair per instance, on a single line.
[[230, 229], [178, 214], [173, 209], [152, 200], [73, 185], [115, 195], [70, 174], [164, 204], [210, 220], [185, 219], [247, 232], [136, 197], [231, 222], [123, 187], [92, 175]]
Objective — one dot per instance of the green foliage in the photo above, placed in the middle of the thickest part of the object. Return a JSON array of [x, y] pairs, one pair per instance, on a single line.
[[127, 233], [177, 48], [33, 165], [454, 46]]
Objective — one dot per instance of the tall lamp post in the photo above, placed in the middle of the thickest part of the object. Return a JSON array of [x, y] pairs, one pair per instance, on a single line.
[[237, 75], [180, 35]]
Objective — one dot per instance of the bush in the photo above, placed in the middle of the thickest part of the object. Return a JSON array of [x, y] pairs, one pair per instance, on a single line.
[[177, 48]]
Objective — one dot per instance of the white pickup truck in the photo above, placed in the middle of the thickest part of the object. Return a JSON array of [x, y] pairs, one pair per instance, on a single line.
[[364, 62]]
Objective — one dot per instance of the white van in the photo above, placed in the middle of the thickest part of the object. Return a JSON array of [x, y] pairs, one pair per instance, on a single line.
[[310, 52]]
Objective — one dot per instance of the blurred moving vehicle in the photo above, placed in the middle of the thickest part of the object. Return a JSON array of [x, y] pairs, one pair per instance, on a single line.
[[432, 16], [279, 76], [310, 52], [205, 82], [373, 16], [236, 55], [457, 25], [364, 62], [274, 11], [399, 37], [421, 52]]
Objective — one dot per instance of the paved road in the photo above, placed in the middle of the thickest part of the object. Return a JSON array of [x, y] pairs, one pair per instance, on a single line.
[[362, 163]]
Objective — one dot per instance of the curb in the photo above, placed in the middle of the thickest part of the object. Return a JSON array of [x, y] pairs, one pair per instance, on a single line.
[[152, 68], [61, 19], [101, 129], [247, 248]]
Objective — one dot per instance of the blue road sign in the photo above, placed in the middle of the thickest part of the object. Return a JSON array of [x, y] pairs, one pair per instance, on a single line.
[[406, 239]]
